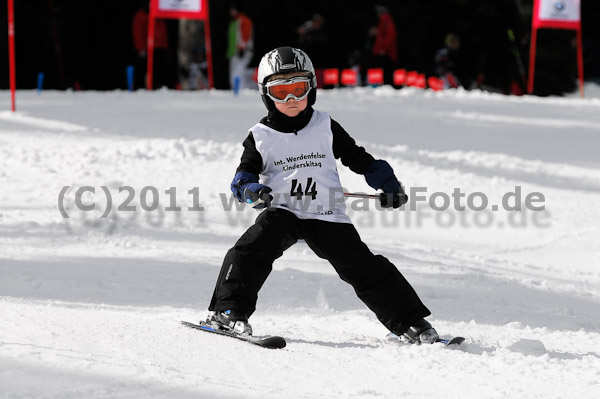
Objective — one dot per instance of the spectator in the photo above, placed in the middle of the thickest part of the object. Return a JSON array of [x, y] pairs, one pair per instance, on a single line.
[[354, 62], [446, 61], [161, 49], [313, 38], [240, 49], [385, 49], [198, 71]]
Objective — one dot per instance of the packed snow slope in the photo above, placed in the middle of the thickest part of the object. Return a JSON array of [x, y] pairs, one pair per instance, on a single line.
[[91, 299]]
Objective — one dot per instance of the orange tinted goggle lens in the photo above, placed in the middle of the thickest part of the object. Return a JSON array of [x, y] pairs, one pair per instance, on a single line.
[[297, 89]]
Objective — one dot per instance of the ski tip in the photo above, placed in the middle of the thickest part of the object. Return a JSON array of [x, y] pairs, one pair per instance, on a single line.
[[275, 343]]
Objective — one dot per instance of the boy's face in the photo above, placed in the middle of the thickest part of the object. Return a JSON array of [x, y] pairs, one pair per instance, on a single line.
[[291, 107]]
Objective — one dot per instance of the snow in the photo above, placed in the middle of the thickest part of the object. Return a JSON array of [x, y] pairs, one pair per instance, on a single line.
[[90, 306]]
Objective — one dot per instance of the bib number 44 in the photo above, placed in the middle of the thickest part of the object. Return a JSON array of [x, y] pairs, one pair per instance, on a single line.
[[298, 192]]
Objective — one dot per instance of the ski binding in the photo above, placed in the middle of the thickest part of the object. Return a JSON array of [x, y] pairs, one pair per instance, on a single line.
[[446, 342]]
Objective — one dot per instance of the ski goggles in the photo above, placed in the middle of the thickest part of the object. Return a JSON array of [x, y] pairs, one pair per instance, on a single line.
[[281, 90]]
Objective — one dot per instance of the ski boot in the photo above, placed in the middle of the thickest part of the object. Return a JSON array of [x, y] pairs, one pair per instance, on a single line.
[[230, 320], [421, 333]]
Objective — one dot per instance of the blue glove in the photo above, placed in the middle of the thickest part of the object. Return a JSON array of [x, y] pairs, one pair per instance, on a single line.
[[255, 192], [381, 176], [246, 188]]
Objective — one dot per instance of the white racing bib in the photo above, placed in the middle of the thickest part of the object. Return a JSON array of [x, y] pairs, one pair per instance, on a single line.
[[301, 170]]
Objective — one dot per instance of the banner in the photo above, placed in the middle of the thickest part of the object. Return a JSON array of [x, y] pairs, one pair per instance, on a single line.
[[190, 9], [179, 5], [558, 14]]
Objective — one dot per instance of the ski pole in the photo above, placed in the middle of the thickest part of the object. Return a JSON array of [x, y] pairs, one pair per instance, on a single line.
[[359, 195]]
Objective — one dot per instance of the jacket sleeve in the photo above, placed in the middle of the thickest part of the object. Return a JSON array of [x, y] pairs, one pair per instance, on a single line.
[[345, 148], [251, 159], [245, 32]]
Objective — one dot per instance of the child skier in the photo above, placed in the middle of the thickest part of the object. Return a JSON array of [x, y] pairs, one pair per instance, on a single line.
[[293, 150]]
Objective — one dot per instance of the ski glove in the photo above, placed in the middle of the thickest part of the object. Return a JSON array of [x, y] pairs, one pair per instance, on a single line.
[[246, 188], [380, 176]]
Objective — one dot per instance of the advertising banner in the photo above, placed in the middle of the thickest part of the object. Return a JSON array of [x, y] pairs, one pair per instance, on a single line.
[[190, 9], [558, 14]]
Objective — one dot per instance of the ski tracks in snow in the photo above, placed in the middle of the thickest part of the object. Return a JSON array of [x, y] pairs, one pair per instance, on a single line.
[[144, 352]]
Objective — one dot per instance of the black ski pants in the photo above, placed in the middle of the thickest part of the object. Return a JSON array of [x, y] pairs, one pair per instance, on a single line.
[[376, 281]]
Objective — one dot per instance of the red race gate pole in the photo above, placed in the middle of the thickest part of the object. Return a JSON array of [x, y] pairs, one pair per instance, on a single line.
[[150, 50], [11, 52], [208, 46], [580, 62], [532, 45]]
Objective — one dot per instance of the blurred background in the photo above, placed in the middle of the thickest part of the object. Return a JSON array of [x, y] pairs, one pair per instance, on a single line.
[[85, 45]]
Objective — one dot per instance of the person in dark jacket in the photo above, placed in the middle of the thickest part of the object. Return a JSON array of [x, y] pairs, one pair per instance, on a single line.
[[294, 150]]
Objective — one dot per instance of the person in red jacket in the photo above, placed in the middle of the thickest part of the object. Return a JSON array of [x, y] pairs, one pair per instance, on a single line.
[[240, 49], [161, 48], [385, 47]]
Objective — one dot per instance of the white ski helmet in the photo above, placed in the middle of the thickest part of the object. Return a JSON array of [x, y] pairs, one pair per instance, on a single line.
[[284, 60]]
